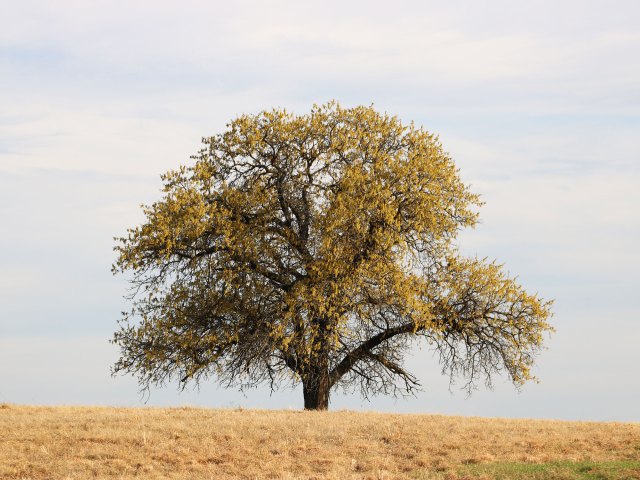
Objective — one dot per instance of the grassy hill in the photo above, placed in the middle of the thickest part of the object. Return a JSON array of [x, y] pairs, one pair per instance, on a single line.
[[191, 443]]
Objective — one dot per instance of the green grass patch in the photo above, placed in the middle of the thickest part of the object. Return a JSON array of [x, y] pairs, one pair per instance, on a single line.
[[618, 470]]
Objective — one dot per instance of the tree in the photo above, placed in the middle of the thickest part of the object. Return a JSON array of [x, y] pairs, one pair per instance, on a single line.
[[318, 249]]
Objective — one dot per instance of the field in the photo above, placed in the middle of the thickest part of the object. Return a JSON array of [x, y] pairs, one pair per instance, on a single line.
[[191, 443]]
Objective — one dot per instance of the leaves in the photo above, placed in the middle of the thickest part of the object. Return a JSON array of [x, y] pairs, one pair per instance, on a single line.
[[317, 246]]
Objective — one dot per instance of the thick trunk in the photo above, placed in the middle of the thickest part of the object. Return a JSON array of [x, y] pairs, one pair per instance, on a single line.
[[316, 384], [316, 393]]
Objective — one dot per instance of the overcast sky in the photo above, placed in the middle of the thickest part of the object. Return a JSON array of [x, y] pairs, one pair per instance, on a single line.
[[537, 102]]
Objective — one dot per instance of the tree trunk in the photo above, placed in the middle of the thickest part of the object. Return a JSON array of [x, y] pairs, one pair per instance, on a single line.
[[315, 382], [316, 393]]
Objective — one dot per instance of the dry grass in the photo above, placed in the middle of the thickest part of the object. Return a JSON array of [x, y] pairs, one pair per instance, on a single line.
[[191, 443]]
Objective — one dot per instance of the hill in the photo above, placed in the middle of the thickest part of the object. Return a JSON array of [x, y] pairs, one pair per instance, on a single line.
[[192, 443]]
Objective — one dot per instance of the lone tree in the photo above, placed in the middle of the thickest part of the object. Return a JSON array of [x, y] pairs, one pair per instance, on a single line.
[[318, 249]]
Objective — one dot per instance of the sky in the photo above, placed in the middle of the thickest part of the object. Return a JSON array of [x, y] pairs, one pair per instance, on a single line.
[[538, 104]]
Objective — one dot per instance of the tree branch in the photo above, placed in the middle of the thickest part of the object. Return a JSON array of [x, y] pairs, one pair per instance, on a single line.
[[364, 349]]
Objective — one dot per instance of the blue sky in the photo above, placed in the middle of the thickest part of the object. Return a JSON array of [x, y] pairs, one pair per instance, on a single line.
[[537, 102]]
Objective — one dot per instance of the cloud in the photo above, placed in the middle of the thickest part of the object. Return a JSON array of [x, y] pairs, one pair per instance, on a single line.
[[471, 58], [538, 104]]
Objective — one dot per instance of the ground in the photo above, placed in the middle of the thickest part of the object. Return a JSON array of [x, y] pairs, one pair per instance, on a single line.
[[192, 443]]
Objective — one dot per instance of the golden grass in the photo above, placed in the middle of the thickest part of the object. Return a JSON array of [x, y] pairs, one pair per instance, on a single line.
[[192, 443]]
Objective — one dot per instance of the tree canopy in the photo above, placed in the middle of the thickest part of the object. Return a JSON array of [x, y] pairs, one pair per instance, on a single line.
[[318, 249]]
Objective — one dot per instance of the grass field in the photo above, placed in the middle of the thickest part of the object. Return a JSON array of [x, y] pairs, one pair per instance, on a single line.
[[191, 443]]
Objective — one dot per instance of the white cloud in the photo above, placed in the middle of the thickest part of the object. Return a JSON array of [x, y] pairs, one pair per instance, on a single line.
[[538, 104], [212, 46]]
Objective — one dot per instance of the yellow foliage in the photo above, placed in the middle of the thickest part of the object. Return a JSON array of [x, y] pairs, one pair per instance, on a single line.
[[312, 248]]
